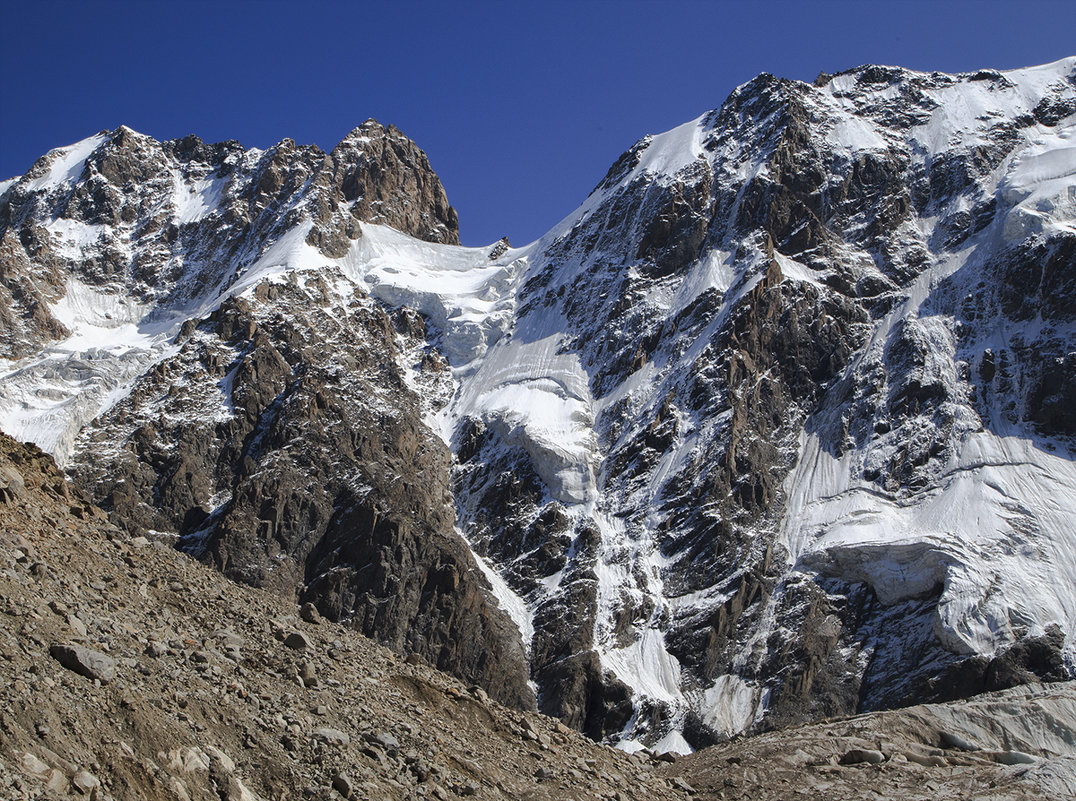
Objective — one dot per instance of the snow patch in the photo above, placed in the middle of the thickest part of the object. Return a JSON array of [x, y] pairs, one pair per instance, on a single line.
[[74, 237], [195, 201], [791, 268], [995, 537], [467, 296], [672, 743], [533, 395], [84, 310], [1041, 186], [66, 164], [729, 705], [670, 152]]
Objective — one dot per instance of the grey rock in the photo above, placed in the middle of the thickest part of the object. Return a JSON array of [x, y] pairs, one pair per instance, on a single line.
[[85, 782], [331, 736], [860, 756], [156, 648], [85, 661], [12, 486], [680, 784], [78, 628], [389, 743], [57, 782], [376, 754], [34, 765]]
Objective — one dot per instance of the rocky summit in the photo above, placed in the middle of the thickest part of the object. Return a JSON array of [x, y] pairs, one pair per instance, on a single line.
[[776, 427]]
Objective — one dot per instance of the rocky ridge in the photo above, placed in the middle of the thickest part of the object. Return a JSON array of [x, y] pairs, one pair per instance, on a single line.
[[1003, 746]]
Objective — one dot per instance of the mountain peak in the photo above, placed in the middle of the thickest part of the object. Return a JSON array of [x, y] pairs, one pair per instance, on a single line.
[[745, 440]]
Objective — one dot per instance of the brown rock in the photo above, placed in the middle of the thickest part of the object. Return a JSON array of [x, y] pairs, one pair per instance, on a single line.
[[298, 641]]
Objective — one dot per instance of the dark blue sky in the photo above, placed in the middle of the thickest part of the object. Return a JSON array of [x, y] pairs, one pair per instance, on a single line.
[[521, 106]]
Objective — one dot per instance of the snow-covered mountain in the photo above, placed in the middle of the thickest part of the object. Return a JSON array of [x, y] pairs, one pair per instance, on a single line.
[[777, 424]]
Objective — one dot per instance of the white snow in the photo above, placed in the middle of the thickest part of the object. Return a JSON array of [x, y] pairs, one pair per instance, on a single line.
[[857, 134], [1041, 185], [49, 399], [538, 399], [468, 297], [66, 164], [672, 743], [729, 705], [74, 237], [644, 664], [289, 253], [713, 271], [1032, 718], [83, 306], [669, 152], [195, 201], [995, 535], [628, 745], [522, 386], [791, 268]]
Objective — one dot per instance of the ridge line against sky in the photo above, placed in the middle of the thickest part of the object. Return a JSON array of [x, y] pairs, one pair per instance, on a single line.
[[521, 110]]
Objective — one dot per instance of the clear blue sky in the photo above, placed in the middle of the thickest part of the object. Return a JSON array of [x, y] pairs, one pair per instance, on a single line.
[[521, 106]]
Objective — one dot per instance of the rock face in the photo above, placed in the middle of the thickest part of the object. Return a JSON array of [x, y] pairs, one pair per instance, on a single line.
[[378, 175], [776, 321], [777, 425], [298, 461]]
